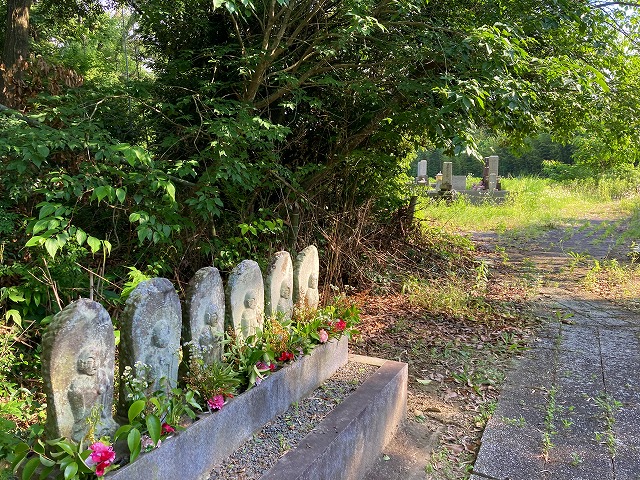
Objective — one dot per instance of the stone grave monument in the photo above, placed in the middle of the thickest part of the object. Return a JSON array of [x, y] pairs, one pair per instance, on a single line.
[[447, 176], [150, 334], [278, 287], [305, 279], [459, 183], [78, 355], [422, 172], [245, 299], [203, 321]]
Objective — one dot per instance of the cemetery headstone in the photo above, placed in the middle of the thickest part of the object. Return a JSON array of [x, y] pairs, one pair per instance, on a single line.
[[459, 183], [493, 181], [204, 315], [305, 278], [493, 164], [422, 172], [150, 334], [447, 176], [245, 299], [278, 288], [78, 355]]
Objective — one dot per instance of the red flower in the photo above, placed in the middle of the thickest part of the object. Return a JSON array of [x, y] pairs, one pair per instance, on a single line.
[[285, 357], [340, 325], [272, 366], [167, 429]]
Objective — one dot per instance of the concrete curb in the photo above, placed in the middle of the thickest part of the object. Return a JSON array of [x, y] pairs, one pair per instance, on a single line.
[[350, 439], [193, 453]]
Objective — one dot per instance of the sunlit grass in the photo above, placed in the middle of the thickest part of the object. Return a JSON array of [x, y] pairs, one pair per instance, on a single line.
[[532, 204]]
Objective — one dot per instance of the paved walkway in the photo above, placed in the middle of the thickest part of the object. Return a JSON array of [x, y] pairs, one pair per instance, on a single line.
[[571, 407]]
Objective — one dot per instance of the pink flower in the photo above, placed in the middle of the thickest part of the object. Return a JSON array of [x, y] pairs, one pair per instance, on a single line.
[[146, 444], [216, 403], [167, 429], [101, 456], [262, 366], [340, 325], [324, 336]]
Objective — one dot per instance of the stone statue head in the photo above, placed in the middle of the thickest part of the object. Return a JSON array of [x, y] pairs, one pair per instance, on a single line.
[[211, 315], [160, 334], [250, 300], [87, 362], [313, 281], [285, 290]]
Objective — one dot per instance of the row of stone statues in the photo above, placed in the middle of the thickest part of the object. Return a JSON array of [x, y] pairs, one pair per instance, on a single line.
[[78, 351]]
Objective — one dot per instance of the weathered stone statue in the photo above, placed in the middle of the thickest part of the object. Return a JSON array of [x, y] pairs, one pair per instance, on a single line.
[[285, 301], [305, 279], [78, 355], [278, 299], [150, 334], [245, 299], [204, 314]]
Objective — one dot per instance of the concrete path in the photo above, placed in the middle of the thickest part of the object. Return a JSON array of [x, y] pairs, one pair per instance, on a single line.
[[571, 407]]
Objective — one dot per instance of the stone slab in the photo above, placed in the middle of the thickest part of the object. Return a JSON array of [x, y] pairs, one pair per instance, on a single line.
[[192, 454], [350, 439]]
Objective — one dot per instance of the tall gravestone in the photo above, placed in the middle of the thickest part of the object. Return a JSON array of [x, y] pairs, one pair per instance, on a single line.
[[245, 299], [78, 355], [305, 279], [447, 176], [422, 172], [204, 315], [150, 334], [278, 286]]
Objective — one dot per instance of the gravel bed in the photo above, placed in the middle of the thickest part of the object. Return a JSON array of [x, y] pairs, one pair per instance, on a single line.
[[261, 452]]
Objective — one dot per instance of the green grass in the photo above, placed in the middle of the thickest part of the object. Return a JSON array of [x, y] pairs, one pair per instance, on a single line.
[[533, 204]]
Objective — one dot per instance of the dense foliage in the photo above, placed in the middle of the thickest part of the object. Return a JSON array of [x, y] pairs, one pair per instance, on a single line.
[[158, 136]]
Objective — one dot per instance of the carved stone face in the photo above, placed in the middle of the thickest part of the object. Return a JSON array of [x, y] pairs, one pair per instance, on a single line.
[[160, 334], [250, 300], [313, 281], [285, 291], [87, 363], [211, 316]]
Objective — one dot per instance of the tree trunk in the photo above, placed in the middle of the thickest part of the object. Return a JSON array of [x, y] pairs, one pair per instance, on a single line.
[[16, 37]]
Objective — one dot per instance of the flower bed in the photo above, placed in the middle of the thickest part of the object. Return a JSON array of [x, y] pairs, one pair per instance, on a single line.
[[193, 452]]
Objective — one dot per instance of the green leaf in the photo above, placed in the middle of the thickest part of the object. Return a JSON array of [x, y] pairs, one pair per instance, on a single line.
[[30, 467], [94, 243], [154, 427], [43, 151], [70, 471], [47, 209], [134, 217], [122, 430], [37, 240], [133, 442], [81, 236], [121, 194], [52, 246], [103, 191], [65, 446], [135, 409], [171, 190], [15, 314], [47, 462]]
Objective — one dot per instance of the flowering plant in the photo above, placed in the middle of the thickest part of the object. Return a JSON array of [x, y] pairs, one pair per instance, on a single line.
[[70, 459], [101, 457]]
